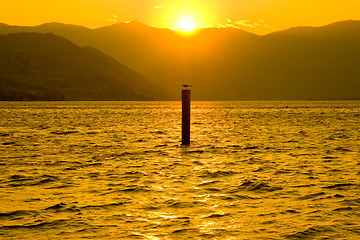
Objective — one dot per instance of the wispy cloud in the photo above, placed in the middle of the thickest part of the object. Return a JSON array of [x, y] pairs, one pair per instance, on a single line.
[[159, 6], [248, 23], [242, 23], [112, 18]]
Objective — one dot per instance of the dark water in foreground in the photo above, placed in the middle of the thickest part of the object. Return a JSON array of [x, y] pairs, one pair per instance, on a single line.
[[116, 170]]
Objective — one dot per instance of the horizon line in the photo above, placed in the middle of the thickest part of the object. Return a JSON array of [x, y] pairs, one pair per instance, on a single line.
[[174, 29]]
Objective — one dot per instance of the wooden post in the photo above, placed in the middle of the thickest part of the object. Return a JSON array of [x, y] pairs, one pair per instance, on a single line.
[[186, 99]]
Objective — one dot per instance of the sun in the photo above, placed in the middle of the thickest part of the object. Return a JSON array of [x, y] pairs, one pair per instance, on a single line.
[[186, 24]]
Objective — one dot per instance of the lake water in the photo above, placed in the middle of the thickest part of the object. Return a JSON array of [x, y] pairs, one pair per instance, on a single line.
[[117, 170]]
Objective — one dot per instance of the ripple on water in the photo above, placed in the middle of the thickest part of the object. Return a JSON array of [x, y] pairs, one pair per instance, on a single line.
[[313, 232], [216, 173], [254, 185], [18, 213], [107, 170], [40, 224]]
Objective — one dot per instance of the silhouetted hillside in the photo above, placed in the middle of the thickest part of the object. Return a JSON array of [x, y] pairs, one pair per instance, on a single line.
[[231, 64], [47, 67]]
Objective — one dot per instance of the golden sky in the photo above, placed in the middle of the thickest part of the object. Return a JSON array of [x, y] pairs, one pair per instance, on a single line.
[[257, 16]]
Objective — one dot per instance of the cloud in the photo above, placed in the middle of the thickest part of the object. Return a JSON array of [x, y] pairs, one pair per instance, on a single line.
[[159, 6], [112, 18], [240, 24], [247, 23]]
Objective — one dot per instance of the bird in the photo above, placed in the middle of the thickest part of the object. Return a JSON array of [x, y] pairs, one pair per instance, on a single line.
[[186, 85]]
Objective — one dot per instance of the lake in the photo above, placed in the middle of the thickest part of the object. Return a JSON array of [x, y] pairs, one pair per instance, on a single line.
[[117, 170]]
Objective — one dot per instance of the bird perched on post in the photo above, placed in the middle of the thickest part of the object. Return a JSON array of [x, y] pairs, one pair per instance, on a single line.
[[186, 86]]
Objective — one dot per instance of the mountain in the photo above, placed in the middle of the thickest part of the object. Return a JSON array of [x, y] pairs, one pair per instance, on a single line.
[[231, 64], [39, 66]]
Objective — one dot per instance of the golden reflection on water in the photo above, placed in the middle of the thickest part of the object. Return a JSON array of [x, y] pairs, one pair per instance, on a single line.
[[118, 170]]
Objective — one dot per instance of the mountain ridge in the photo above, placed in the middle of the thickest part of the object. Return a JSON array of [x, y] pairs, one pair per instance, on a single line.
[[38, 66], [142, 25], [230, 64]]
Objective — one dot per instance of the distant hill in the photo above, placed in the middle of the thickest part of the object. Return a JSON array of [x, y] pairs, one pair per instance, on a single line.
[[38, 66], [231, 64]]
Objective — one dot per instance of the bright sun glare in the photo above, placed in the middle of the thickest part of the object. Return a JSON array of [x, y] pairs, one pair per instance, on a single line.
[[186, 24]]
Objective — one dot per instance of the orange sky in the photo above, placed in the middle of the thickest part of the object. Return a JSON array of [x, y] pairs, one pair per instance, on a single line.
[[258, 16]]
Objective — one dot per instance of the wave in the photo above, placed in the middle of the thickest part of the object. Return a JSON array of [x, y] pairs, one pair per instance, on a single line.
[[186, 231], [56, 206], [312, 232], [45, 179], [19, 178], [342, 149], [136, 153], [250, 185], [340, 186], [196, 151], [172, 203], [351, 202], [341, 209], [41, 224], [206, 183], [135, 188], [22, 180], [237, 196], [104, 206], [251, 147], [217, 215], [216, 174], [133, 174], [63, 207], [311, 196], [18, 213], [64, 132]]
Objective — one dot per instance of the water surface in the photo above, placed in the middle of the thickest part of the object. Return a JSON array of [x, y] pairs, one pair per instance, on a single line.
[[117, 170]]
